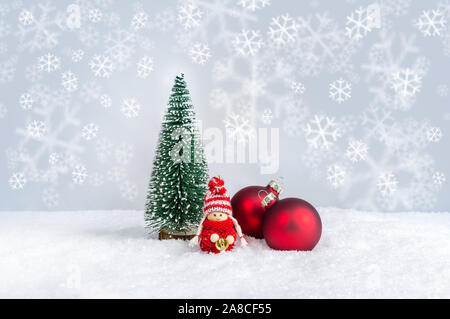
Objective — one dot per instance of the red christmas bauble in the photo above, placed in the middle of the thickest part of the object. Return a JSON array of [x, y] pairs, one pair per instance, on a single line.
[[250, 205], [292, 224]]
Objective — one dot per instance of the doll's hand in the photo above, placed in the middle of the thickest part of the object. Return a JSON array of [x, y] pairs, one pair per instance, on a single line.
[[214, 238], [230, 239], [193, 241]]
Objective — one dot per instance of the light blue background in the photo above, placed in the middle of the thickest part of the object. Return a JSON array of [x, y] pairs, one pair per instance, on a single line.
[[171, 57]]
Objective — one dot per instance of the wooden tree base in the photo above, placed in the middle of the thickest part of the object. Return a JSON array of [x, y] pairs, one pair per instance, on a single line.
[[163, 234]]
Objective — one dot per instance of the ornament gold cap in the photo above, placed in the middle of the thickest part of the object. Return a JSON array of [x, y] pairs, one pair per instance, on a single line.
[[276, 187], [267, 200]]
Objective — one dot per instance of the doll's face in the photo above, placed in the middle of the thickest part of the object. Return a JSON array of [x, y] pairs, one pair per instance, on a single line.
[[217, 216]]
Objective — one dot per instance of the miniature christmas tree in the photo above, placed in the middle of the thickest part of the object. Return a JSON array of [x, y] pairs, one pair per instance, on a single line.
[[180, 172]]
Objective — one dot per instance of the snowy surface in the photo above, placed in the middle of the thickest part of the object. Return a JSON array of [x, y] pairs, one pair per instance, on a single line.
[[107, 254]]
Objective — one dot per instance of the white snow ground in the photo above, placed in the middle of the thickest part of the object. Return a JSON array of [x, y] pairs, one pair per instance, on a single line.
[[106, 254]]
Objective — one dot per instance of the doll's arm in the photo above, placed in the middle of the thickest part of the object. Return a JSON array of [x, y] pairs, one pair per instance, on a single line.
[[239, 232], [214, 237], [196, 239]]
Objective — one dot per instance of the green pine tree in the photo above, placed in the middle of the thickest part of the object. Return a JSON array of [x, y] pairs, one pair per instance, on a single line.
[[180, 172]]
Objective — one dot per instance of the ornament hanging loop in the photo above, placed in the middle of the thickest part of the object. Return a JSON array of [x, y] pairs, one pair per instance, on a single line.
[[262, 191]]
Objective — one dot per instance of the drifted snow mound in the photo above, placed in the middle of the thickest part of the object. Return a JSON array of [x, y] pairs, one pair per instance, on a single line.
[[107, 254]]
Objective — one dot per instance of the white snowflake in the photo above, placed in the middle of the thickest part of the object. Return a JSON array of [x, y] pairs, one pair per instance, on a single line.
[[128, 191], [89, 35], [362, 21], [165, 20], [103, 149], [267, 116], [26, 101], [32, 73], [79, 174], [439, 178], [68, 160], [406, 82], [90, 91], [49, 63], [50, 197], [89, 131], [340, 90], [26, 17], [320, 43], [434, 134], [52, 106], [254, 86], [238, 127], [77, 55], [253, 5], [36, 129], [112, 19], [199, 53], [139, 20], [283, 30], [297, 87], [442, 90], [321, 132], [102, 66], [189, 16], [17, 181], [432, 23], [8, 70], [124, 153], [120, 45], [397, 8], [54, 158], [295, 120], [387, 184], [95, 15], [130, 107], [336, 176], [247, 43], [144, 67], [96, 179], [357, 151], [69, 81], [105, 101], [219, 99], [116, 174], [44, 31], [377, 120]]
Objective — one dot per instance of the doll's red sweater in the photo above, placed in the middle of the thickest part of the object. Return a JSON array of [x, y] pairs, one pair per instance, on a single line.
[[222, 228]]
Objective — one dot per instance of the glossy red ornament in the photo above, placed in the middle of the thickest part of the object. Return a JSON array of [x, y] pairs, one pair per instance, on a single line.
[[292, 224], [250, 205]]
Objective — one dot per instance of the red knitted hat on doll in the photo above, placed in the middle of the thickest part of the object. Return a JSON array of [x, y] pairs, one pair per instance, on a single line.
[[216, 198]]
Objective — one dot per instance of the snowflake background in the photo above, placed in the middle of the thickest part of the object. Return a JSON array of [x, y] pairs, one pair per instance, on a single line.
[[358, 89]]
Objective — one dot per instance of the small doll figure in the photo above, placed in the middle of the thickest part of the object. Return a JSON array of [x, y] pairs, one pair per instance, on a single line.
[[218, 229]]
